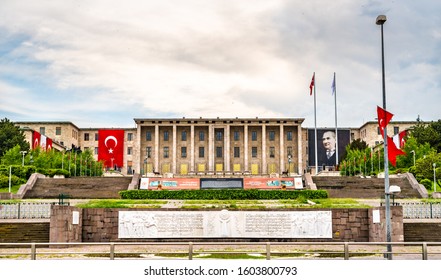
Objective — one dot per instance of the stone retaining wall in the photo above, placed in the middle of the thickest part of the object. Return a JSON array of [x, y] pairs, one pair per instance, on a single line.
[[101, 225]]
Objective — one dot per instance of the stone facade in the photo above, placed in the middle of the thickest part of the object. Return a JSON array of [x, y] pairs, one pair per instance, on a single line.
[[199, 145], [189, 146], [65, 134], [370, 133]]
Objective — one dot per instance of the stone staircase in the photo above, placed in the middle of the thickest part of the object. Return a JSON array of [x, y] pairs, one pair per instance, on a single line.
[[79, 187], [24, 232], [422, 231], [356, 187]]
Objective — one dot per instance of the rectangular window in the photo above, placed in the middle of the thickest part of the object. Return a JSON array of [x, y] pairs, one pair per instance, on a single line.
[[254, 152], [378, 131], [201, 136], [219, 135], [129, 136], [237, 152], [183, 152], [272, 135], [396, 130], [201, 152], [86, 136], [289, 136], [129, 150], [148, 136], [58, 130], [272, 152], [148, 152], [254, 135], [96, 150], [96, 136], [42, 131], [219, 152], [184, 135], [165, 152], [166, 135], [236, 135]]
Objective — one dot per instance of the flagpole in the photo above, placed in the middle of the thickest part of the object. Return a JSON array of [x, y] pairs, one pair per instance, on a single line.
[[315, 127], [381, 19], [336, 131]]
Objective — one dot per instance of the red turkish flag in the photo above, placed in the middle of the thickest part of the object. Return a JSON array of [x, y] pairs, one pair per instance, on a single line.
[[393, 151], [48, 144], [312, 84], [35, 139], [384, 118], [399, 139], [111, 147]]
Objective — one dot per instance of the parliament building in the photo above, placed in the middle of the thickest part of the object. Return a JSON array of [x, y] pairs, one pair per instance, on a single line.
[[203, 146]]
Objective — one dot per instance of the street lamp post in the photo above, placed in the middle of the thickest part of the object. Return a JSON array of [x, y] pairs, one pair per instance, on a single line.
[[10, 177], [434, 177], [289, 164], [23, 153], [381, 19]]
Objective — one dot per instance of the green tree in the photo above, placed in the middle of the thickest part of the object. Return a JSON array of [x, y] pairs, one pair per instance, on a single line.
[[410, 147], [357, 144], [10, 136], [424, 166], [428, 133]]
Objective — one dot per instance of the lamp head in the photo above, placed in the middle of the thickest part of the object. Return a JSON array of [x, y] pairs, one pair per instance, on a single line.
[[381, 19], [394, 189]]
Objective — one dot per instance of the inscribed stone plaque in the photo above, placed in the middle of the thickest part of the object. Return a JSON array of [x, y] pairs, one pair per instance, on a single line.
[[288, 224]]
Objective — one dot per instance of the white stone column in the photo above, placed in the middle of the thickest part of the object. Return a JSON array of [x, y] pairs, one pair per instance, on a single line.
[[210, 147], [282, 150], [174, 149], [157, 167], [264, 168], [245, 147], [138, 149], [299, 150], [227, 148], [192, 148]]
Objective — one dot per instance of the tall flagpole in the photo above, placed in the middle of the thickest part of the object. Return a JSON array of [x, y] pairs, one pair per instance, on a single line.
[[315, 127], [334, 91]]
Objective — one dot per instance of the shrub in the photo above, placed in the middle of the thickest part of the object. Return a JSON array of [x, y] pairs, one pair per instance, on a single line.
[[4, 181], [428, 184], [223, 194]]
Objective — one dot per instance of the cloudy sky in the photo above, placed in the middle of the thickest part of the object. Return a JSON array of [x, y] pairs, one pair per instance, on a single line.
[[101, 63]]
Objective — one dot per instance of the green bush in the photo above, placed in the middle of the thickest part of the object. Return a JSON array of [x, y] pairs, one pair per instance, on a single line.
[[52, 172], [428, 184], [223, 194], [23, 172], [4, 181]]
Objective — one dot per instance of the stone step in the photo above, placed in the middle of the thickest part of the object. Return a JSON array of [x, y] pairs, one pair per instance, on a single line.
[[79, 187]]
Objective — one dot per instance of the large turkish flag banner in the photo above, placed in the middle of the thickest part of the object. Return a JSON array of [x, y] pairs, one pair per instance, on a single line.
[[111, 147]]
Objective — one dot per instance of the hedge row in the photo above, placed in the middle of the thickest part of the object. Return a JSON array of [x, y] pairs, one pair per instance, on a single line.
[[4, 181], [223, 194], [24, 172]]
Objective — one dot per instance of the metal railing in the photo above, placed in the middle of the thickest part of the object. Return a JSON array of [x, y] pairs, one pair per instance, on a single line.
[[421, 210], [194, 250], [24, 210]]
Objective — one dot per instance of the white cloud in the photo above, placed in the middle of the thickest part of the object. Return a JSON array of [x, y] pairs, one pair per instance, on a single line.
[[221, 58]]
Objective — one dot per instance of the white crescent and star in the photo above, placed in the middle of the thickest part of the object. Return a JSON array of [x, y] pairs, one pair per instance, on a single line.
[[111, 137], [381, 122]]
